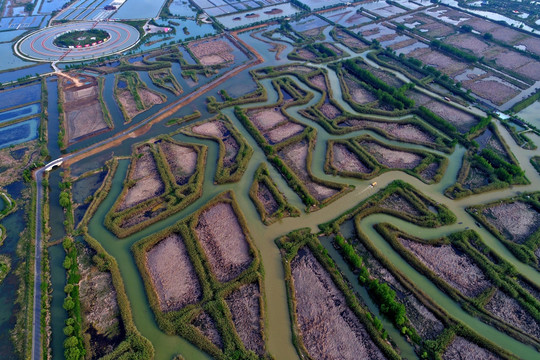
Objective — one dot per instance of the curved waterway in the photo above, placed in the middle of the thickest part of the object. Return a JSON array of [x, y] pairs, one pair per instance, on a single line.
[[279, 326]]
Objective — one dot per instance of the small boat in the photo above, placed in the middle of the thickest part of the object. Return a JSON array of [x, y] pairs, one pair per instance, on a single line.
[[373, 184]]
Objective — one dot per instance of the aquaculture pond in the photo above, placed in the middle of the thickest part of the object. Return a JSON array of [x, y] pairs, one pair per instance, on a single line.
[[19, 133], [278, 329], [19, 113]]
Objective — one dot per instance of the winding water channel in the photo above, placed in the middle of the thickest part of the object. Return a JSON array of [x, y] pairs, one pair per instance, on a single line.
[[279, 327]]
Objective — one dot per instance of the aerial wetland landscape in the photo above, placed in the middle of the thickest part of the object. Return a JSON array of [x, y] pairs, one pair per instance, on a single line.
[[269, 179]]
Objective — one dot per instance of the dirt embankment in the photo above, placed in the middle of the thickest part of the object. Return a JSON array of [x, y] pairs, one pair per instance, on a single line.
[[227, 251], [461, 348], [244, 304], [329, 328], [147, 180], [453, 267], [182, 160], [172, 274], [516, 221]]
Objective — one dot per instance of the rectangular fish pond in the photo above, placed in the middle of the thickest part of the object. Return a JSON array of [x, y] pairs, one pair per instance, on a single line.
[[19, 133]]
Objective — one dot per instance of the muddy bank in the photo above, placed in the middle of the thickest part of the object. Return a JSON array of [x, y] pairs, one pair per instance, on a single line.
[[329, 329], [172, 273], [227, 251]]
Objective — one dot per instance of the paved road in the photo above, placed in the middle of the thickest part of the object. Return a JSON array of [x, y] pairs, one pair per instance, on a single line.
[[36, 323], [36, 318]]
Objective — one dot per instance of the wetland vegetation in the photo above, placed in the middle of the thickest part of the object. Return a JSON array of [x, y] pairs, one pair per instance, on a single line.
[[339, 184]]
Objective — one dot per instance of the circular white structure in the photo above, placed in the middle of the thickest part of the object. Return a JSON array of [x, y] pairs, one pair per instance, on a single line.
[[39, 45]]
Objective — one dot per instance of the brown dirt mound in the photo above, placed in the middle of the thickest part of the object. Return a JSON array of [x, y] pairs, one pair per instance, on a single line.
[[407, 132], [319, 81], [227, 251], [244, 304], [329, 329], [453, 267], [172, 273]]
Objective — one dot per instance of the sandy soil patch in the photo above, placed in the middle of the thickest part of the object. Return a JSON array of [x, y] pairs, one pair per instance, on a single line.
[[172, 273], [267, 199], [227, 251], [182, 160], [476, 178], [345, 160], [508, 309], [450, 265], [396, 159], [397, 202], [244, 304], [516, 221], [299, 68], [266, 119], [284, 132], [128, 103], [84, 115], [212, 52], [206, 325], [148, 183], [319, 81], [295, 156], [420, 99], [329, 329], [461, 348]]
